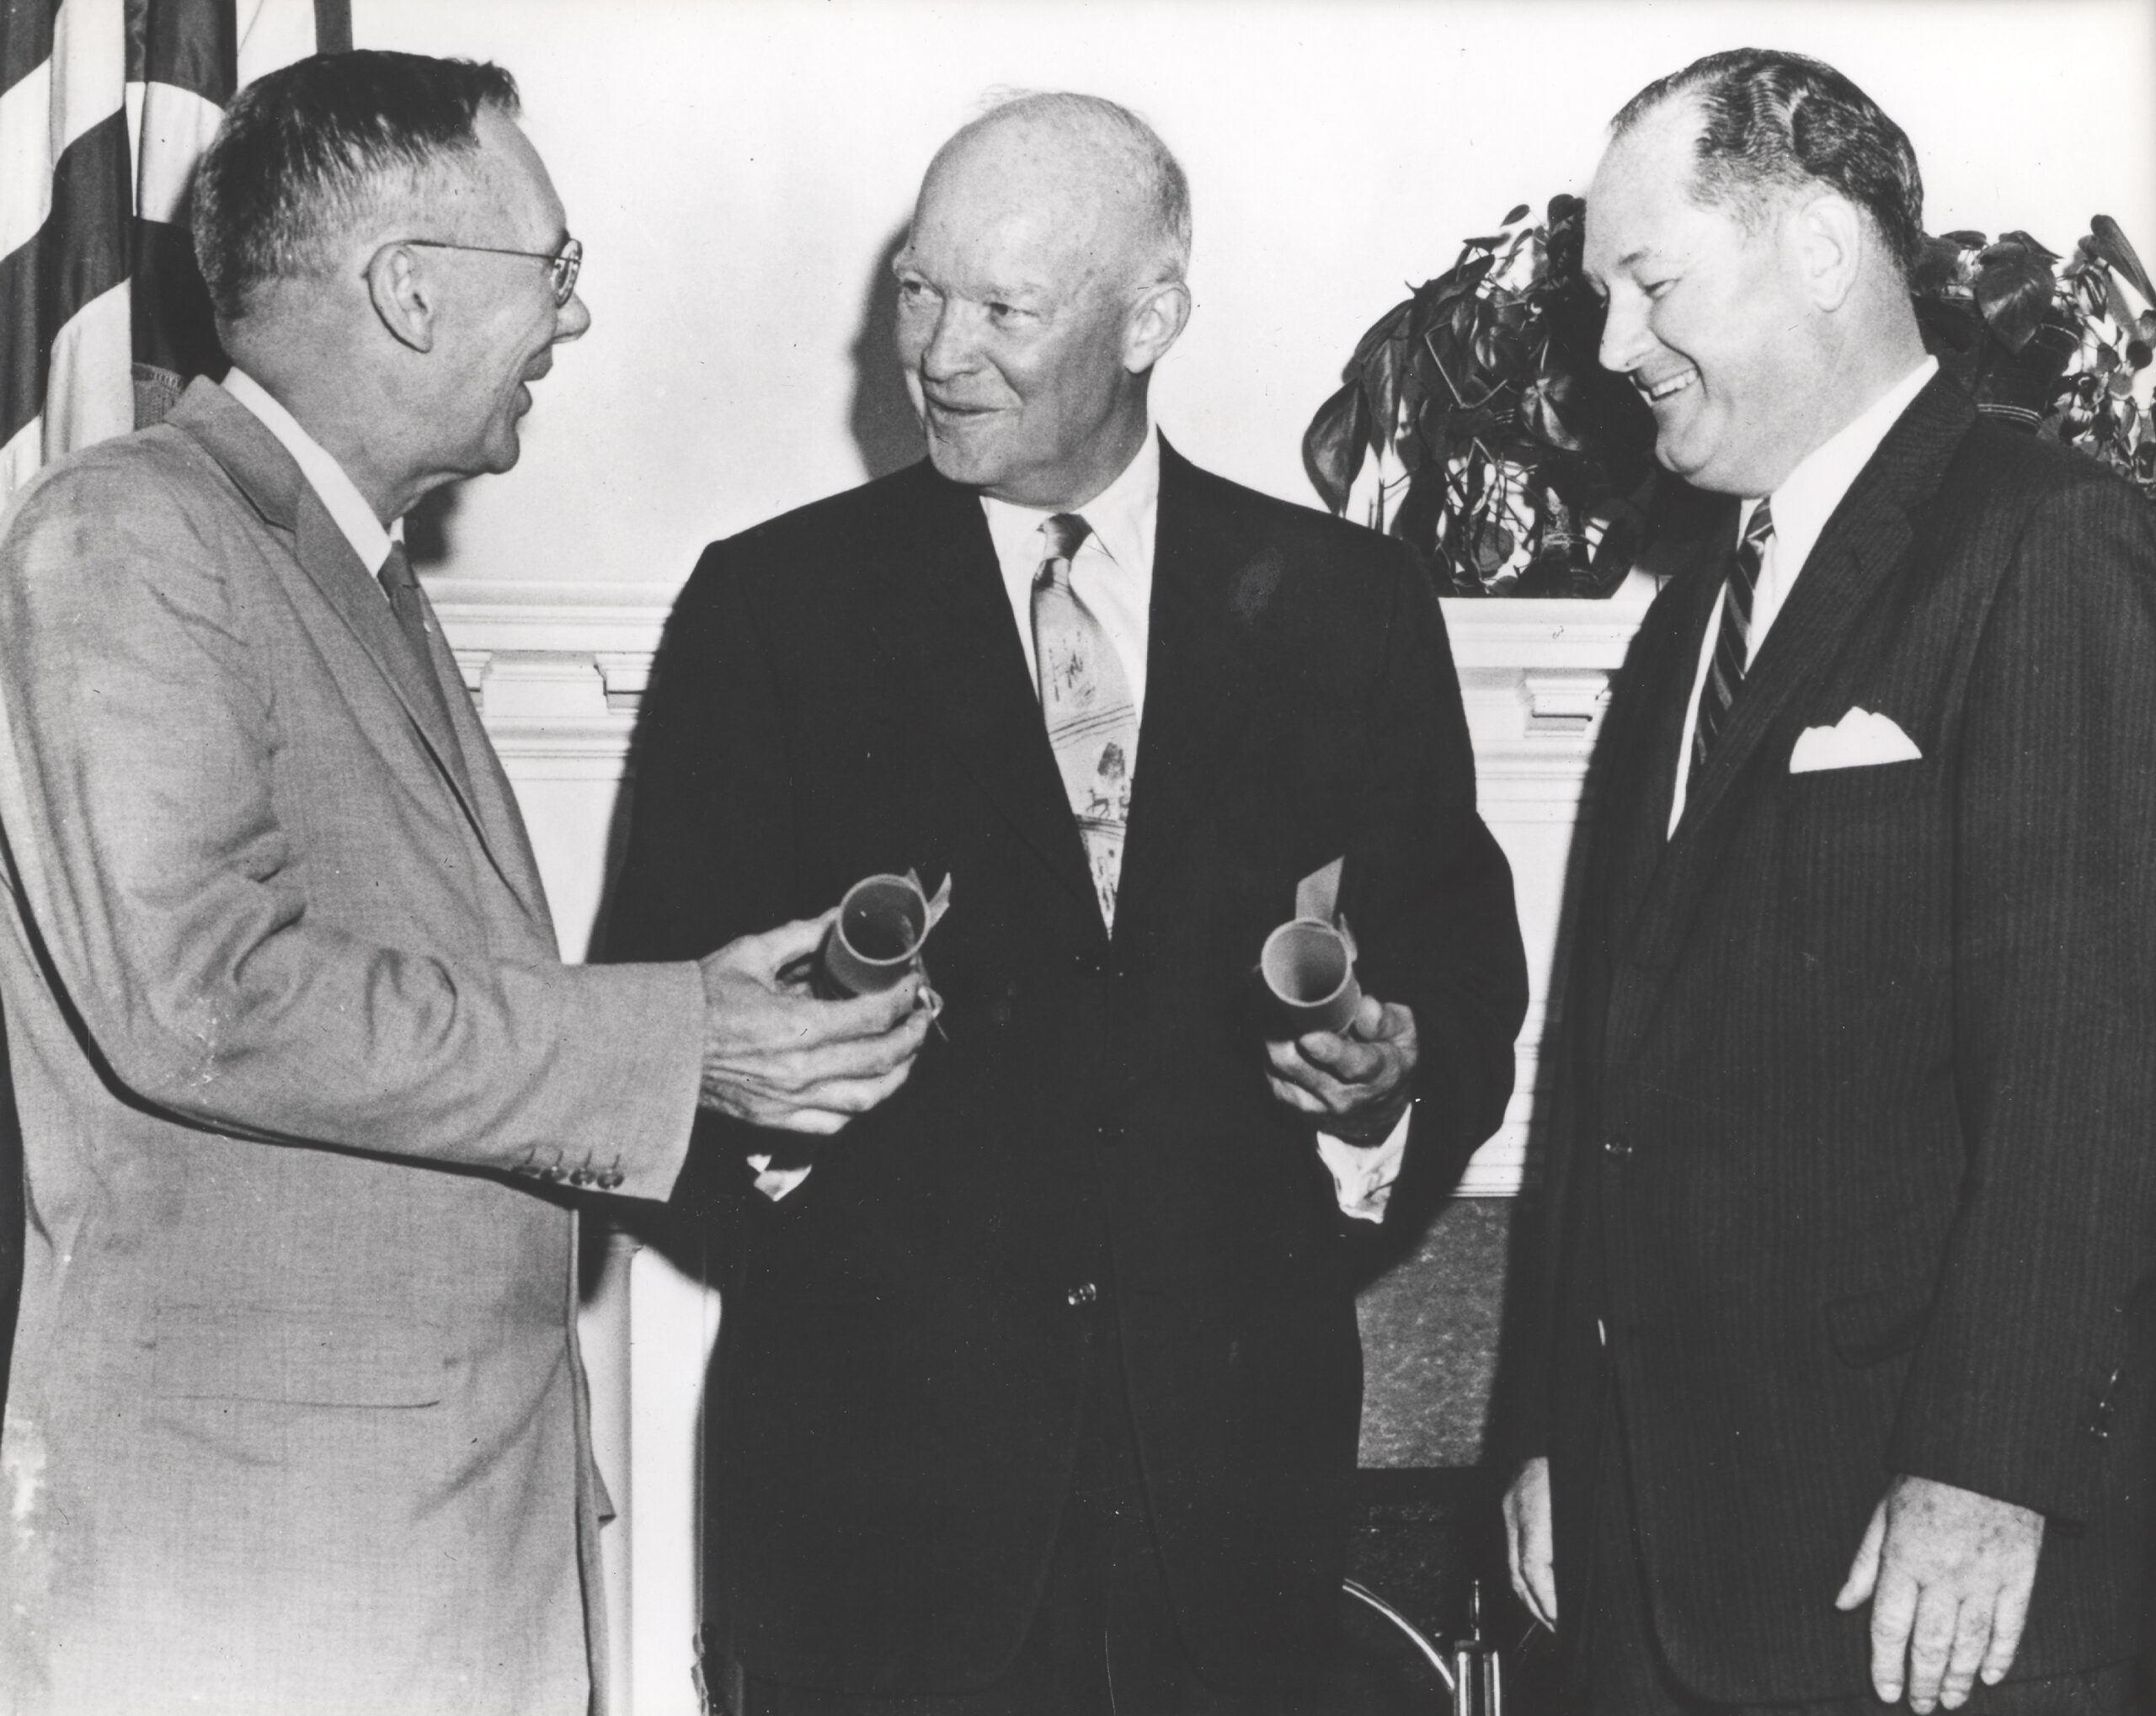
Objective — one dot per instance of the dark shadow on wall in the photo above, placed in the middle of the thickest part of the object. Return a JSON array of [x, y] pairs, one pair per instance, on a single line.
[[885, 430]]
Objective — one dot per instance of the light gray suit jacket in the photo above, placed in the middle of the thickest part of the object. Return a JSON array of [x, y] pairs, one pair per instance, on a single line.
[[297, 1418]]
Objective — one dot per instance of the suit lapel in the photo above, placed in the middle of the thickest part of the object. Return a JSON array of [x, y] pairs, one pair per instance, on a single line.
[[961, 656], [1865, 540], [1197, 680], [265, 473]]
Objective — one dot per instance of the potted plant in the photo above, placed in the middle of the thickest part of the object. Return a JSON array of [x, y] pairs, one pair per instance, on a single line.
[[1521, 467]]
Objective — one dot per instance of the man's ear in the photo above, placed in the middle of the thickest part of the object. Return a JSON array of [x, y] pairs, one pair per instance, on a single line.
[[1154, 323], [1831, 235], [403, 296]]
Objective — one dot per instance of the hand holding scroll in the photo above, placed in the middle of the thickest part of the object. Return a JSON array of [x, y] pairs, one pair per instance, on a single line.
[[1355, 1084], [776, 1055]]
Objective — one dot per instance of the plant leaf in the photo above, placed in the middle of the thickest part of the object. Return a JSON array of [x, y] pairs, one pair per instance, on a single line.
[[2014, 289], [2110, 244], [1518, 213], [1333, 445]]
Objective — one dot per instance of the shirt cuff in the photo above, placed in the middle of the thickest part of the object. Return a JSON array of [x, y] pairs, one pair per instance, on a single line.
[[776, 1182], [1362, 1174]]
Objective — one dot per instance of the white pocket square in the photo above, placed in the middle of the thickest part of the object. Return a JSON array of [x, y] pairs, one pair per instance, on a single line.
[[1859, 740]]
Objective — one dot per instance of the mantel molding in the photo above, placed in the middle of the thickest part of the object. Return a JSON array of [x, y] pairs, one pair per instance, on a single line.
[[558, 670]]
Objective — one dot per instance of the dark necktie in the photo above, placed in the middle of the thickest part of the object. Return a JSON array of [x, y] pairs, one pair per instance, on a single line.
[[1734, 643], [401, 586], [1092, 727]]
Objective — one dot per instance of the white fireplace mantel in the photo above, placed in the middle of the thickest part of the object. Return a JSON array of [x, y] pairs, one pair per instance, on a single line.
[[558, 669]]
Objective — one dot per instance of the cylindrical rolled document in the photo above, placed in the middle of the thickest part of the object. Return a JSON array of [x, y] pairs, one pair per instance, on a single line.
[[1309, 965], [877, 937]]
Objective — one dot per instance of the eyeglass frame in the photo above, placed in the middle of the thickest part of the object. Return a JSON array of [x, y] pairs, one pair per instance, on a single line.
[[562, 262]]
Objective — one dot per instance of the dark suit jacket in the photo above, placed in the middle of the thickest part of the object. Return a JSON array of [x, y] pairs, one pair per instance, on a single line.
[[897, 1393], [1851, 1152]]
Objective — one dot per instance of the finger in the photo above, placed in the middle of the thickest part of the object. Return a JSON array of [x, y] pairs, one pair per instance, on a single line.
[[793, 1073], [1368, 1022], [1542, 1586], [1972, 1634], [1303, 1101], [1930, 1639], [843, 1101], [868, 1016], [1515, 1529], [1350, 1062], [773, 948], [1893, 1610], [2008, 1617], [1864, 1570]]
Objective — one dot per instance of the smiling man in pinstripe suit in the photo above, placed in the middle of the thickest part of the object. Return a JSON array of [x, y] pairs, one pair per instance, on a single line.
[[1836, 1382]]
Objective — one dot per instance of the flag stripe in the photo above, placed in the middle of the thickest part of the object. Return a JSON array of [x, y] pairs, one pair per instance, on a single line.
[[89, 63], [90, 384], [25, 38], [25, 158], [80, 253], [333, 26], [174, 126], [273, 33], [174, 328], [192, 45]]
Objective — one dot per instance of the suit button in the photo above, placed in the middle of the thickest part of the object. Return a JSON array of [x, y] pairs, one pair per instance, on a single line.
[[1110, 1133], [1083, 1294], [1617, 1149], [608, 1181]]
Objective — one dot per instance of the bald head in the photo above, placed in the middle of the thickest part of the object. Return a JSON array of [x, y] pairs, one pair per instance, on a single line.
[[1042, 281], [1095, 162]]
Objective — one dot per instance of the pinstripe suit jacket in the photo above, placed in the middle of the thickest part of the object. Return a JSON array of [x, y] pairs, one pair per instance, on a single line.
[[297, 1420], [1857, 1075]]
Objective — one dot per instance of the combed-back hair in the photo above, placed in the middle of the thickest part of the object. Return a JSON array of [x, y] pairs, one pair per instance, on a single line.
[[1163, 188], [310, 151], [1777, 122]]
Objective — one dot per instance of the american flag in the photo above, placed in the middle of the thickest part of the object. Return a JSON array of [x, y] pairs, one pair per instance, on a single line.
[[104, 105]]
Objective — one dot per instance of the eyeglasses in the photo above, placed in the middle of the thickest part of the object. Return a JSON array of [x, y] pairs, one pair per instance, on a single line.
[[561, 265]]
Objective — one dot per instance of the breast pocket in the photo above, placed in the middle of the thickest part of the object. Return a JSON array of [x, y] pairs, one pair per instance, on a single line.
[[1865, 857]]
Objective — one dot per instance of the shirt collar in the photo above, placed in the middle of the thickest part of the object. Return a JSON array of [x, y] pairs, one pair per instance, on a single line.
[[1809, 494], [1122, 516], [339, 495]]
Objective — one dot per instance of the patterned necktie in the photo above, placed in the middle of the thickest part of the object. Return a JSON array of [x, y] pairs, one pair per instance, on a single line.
[[401, 586], [1733, 644], [1092, 727]]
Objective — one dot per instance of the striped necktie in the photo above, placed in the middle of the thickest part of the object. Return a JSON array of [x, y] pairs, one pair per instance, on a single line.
[[1733, 644], [1093, 726]]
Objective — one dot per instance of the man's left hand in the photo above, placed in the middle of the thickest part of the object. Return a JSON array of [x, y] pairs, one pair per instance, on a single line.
[[1948, 1574], [1353, 1084]]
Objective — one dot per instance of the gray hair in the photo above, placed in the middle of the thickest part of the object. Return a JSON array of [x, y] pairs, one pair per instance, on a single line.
[[1776, 122], [1163, 189], [310, 153]]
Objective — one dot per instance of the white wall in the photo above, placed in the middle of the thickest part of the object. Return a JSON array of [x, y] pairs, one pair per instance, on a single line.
[[737, 167]]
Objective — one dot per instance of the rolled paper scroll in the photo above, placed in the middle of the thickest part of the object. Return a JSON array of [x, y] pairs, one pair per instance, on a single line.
[[883, 923], [1308, 964]]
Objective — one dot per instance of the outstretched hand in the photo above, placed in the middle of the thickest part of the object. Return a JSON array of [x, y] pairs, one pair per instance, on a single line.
[[774, 1056], [1353, 1084], [1948, 1572]]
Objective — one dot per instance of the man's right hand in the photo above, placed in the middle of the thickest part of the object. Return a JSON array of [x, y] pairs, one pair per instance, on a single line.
[[1528, 1542], [774, 1056]]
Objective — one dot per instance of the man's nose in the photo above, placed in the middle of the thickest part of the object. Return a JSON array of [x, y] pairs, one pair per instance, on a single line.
[[949, 348], [1624, 332], [571, 320]]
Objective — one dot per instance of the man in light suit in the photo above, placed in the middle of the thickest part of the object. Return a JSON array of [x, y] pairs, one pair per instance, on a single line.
[[297, 1418], [1039, 1391], [1837, 1375]]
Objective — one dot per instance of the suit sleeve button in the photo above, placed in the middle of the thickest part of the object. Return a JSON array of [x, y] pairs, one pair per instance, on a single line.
[[1085, 1293], [1618, 1149]]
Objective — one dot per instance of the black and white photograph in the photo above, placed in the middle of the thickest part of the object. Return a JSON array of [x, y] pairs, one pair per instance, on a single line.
[[1077, 857]]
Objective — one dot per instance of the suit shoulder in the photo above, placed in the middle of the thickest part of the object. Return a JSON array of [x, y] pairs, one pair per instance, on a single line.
[[2012, 467], [1294, 525], [825, 534], [81, 511]]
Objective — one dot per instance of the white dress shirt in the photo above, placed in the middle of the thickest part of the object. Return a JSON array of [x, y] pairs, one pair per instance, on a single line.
[[1803, 503], [340, 496], [1112, 573]]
